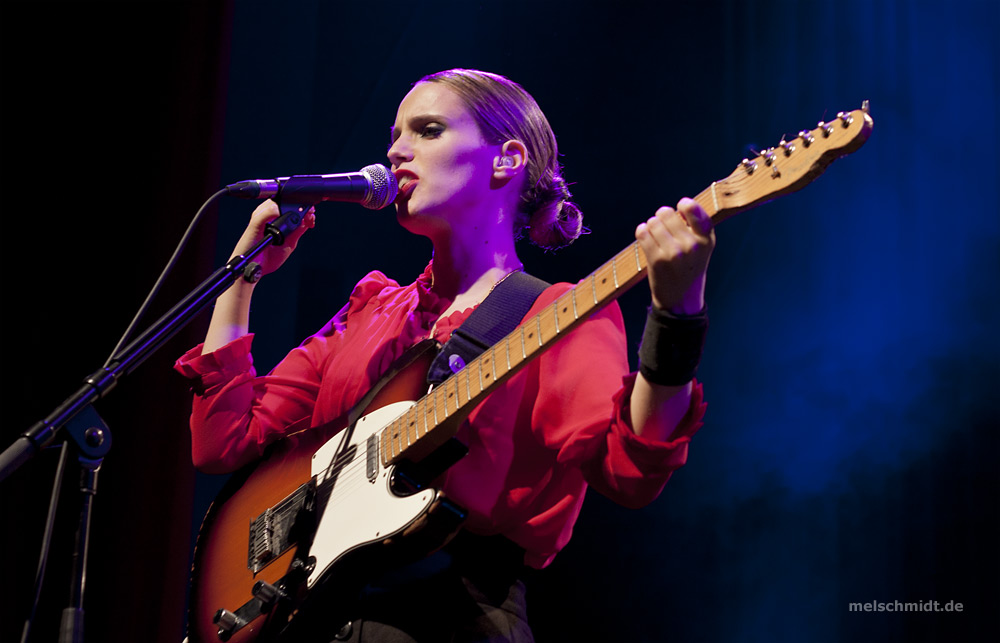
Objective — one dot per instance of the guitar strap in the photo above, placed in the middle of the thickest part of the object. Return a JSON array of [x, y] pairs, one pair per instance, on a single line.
[[499, 314]]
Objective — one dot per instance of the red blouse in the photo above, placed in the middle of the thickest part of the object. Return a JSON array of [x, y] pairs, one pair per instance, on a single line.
[[535, 444]]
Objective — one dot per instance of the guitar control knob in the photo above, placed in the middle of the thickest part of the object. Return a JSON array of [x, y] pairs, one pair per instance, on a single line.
[[228, 623], [267, 593]]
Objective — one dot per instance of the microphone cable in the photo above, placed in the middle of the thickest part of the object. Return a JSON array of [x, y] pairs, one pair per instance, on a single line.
[[171, 263]]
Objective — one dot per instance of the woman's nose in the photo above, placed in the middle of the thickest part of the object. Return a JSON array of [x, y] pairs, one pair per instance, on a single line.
[[399, 152]]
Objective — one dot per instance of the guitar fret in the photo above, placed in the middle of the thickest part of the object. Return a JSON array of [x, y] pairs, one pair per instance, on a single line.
[[575, 315], [493, 362], [593, 286], [468, 385], [435, 407], [479, 369], [506, 344], [538, 318], [614, 272], [555, 314], [444, 401], [638, 263]]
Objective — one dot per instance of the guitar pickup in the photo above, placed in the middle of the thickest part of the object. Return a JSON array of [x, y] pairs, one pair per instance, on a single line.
[[371, 457]]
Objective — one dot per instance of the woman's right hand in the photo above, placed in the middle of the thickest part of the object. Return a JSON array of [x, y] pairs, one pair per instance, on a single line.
[[231, 315], [273, 256]]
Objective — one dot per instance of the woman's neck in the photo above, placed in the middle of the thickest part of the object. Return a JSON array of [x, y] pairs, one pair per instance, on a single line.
[[468, 270]]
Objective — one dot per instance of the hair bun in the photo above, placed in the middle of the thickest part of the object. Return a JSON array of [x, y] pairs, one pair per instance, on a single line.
[[556, 225]]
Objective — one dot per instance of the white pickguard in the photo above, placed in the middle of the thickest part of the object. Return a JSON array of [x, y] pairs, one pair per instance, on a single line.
[[359, 510]]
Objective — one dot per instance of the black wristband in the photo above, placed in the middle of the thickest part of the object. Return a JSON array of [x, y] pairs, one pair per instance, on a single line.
[[671, 347]]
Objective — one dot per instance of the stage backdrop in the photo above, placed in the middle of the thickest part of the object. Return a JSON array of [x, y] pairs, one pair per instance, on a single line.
[[850, 447]]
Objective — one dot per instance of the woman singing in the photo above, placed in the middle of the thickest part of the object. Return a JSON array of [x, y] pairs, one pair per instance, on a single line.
[[477, 167]]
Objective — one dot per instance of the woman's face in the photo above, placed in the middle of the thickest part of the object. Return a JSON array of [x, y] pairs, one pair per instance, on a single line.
[[443, 165]]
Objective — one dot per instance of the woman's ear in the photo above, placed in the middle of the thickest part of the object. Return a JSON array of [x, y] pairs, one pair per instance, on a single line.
[[512, 161]]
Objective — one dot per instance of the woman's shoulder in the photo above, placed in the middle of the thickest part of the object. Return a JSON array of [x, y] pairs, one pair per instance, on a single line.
[[375, 292]]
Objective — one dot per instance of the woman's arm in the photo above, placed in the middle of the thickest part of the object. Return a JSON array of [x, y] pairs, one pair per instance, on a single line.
[[678, 245]]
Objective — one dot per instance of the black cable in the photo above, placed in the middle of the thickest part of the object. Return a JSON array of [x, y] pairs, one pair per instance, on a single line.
[[46, 541], [162, 278]]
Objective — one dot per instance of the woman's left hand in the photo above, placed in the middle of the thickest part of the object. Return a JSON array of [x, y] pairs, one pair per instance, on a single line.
[[678, 244]]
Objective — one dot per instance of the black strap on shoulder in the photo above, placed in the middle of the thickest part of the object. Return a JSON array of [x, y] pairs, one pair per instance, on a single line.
[[499, 314]]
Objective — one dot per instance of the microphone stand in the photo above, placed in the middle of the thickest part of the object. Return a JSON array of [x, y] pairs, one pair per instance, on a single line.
[[89, 434]]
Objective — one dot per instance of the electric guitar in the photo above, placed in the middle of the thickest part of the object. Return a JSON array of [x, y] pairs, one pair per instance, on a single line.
[[306, 526]]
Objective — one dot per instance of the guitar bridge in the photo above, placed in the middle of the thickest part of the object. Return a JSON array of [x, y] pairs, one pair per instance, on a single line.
[[272, 533]]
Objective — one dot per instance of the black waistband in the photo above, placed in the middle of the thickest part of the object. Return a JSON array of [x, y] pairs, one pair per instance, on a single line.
[[488, 561], [486, 554]]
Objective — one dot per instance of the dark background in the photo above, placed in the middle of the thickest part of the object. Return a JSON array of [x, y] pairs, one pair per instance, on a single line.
[[850, 448]]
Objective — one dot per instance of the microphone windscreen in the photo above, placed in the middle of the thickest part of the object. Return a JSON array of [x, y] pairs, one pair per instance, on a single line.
[[384, 187]]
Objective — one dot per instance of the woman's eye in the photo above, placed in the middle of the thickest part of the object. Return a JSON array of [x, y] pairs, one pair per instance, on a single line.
[[431, 130]]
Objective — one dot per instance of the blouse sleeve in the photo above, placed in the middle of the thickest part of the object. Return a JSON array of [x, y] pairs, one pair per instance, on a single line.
[[582, 411], [235, 414]]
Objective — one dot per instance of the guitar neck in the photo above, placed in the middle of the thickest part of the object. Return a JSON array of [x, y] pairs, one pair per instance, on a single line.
[[410, 435], [777, 171]]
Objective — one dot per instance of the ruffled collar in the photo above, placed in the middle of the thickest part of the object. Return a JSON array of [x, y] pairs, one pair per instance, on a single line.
[[427, 299], [433, 305]]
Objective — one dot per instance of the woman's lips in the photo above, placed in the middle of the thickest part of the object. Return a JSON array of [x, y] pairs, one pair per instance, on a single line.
[[407, 182], [407, 186]]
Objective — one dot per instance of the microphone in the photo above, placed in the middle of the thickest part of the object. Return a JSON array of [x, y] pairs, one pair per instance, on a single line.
[[373, 186]]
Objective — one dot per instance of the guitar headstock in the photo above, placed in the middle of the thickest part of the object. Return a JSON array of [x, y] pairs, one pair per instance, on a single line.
[[789, 166]]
